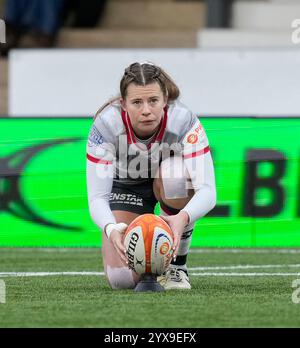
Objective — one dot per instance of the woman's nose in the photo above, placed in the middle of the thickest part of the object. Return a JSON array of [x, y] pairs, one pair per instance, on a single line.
[[146, 110]]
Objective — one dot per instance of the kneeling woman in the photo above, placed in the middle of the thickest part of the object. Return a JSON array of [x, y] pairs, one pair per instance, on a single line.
[[146, 147]]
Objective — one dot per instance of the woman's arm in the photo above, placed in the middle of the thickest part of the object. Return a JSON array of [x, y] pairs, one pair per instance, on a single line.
[[99, 183], [199, 164], [99, 189], [101, 159], [201, 171]]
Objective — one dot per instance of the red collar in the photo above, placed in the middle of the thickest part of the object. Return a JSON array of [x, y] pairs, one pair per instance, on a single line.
[[131, 139]]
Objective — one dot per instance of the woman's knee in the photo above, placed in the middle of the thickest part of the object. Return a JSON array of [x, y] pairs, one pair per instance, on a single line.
[[120, 278], [118, 274], [172, 184]]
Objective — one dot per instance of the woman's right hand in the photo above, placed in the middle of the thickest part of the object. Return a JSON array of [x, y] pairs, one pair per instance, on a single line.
[[116, 236]]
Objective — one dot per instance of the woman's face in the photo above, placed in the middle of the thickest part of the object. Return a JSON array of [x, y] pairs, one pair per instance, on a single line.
[[145, 107]]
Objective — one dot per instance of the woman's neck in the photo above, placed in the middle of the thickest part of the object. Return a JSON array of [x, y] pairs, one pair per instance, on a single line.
[[148, 136]]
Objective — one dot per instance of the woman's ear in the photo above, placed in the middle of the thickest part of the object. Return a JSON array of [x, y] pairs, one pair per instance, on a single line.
[[166, 100], [122, 102]]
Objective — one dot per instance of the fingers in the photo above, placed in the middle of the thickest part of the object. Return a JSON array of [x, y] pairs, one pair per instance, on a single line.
[[175, 247], [175, 252], [120, 248], [176, 232], [121, 252]]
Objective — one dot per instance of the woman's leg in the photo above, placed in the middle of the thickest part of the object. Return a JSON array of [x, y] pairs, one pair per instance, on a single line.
[[138, 199], [173, 196], [163, 187], [117, 272]]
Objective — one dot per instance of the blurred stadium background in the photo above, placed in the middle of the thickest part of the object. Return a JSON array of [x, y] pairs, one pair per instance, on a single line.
[[237, 64], [232, 59]]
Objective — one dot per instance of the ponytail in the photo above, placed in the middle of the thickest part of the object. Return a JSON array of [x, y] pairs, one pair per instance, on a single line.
[[104, 106]]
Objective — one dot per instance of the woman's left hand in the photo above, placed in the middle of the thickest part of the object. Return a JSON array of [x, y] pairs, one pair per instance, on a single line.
[[177, 224]]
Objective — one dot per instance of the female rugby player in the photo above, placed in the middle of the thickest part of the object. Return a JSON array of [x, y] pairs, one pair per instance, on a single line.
[[146, 147]]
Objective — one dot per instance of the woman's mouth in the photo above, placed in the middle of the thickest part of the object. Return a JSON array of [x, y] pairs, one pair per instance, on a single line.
[[147, 122]]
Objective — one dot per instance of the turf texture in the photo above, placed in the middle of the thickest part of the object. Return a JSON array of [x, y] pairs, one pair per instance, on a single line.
[[227, 300]]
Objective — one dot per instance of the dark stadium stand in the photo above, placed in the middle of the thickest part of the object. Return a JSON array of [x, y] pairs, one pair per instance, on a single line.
[[130, 24], [142, 23], [179, 24]]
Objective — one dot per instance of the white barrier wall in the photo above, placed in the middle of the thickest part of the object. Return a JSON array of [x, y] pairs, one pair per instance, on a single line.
[[78, 82]]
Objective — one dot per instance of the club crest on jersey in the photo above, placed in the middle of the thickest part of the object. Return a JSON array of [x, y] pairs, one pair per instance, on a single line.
[[95, 137], [192, 138]]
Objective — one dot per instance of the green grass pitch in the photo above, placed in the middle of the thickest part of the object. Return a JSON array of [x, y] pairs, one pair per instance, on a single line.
[[230, 288]]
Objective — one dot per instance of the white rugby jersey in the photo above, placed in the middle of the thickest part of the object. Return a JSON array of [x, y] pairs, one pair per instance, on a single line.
[[114, 153]]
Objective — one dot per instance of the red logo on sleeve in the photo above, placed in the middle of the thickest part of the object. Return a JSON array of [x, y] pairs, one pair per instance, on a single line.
[[198, 129], [192, 139]]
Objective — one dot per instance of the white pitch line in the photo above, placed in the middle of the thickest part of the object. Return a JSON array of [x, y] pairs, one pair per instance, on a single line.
[[219, 274], [240, 267], [243, 251], [203, 274], [46, 274], [192, 250], [52, 250]]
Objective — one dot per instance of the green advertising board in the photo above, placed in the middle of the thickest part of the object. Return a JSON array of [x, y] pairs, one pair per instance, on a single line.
[[43, 195]]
